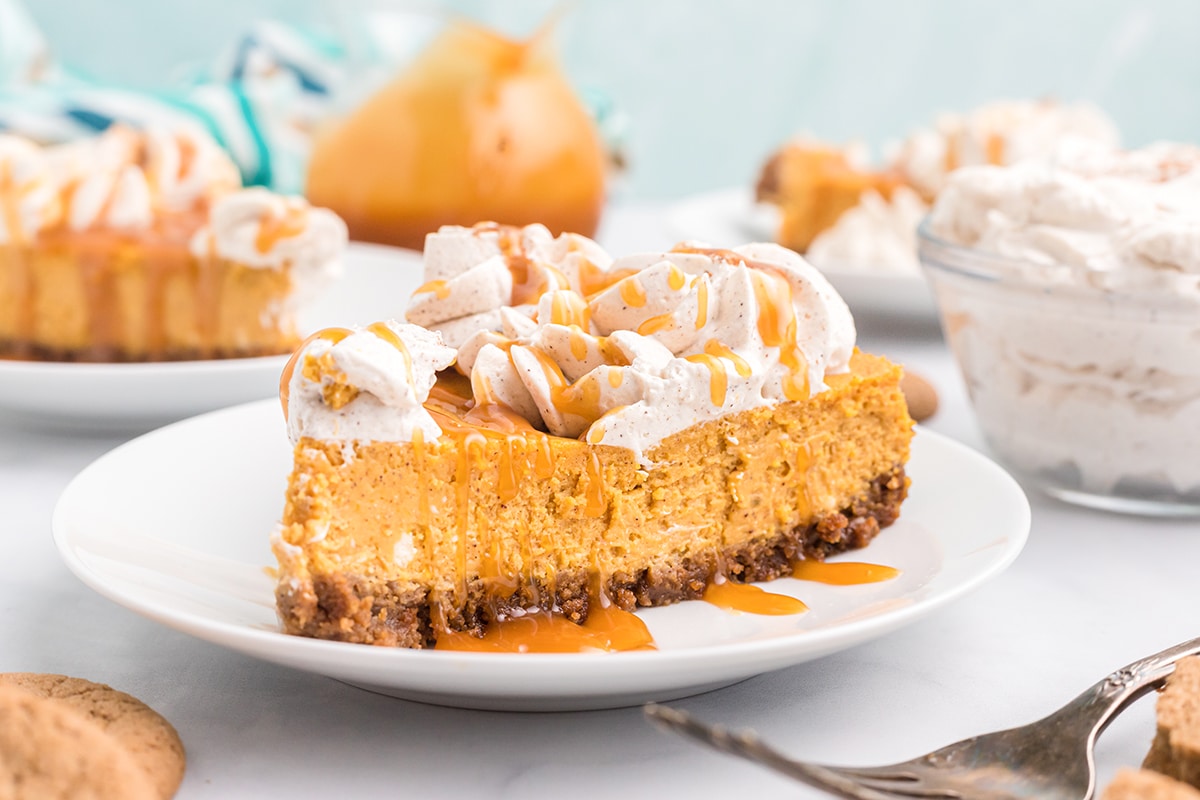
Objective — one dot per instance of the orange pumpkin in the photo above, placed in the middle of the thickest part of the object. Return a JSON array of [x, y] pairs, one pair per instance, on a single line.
[[479, 127]]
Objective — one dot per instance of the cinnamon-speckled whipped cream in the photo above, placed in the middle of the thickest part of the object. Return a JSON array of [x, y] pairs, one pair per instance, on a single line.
[[1002, 132], [1114, 219], [366, 383], [1070, 293], [621, 352]]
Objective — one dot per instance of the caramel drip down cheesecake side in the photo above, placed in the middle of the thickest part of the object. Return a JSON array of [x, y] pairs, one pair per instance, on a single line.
[[553, 429], [136, 246]]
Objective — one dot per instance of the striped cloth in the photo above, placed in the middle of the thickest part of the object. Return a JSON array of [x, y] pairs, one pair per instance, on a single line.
[[261, 99]]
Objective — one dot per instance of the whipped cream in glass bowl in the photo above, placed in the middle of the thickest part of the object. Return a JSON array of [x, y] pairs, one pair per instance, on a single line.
[[1069, 291]]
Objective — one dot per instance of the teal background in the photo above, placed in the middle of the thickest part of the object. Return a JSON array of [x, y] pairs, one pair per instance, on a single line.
[[711, 87]]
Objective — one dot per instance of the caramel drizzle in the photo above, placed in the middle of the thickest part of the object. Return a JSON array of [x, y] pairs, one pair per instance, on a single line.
[[543, 465], [596, 503], [439, 288], [676, 278], [381, 330], [952, 160], [157, 270], [462, 494], [333, 335], [274, 228], [715, 348], [423, 511], [777, 326], [577, 399], [652, 325], [519, 265], [10, 200], [702, 305], [568, 308], [100, 289], [632, 292], [718, 383], [593, 279], [207, 280], [578, 341], [994, 149]]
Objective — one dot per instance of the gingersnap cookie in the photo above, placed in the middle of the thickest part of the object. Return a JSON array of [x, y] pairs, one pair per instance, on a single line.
[[1142, 784], [149, 739], [49, 751], [920, 395]]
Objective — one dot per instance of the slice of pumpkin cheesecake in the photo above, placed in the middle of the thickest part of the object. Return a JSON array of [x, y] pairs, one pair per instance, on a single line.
[[563, 432]]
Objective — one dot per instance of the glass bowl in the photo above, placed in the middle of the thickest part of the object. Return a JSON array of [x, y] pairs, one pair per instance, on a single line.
[[1087, 389]]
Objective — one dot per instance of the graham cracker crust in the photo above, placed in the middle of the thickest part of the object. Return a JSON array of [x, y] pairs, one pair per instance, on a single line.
[[350, 608]]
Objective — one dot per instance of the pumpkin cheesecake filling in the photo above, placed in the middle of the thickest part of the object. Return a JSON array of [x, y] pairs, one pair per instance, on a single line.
[[534, 444]]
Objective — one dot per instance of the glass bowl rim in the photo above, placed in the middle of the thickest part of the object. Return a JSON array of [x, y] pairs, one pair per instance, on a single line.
[[937, 254]]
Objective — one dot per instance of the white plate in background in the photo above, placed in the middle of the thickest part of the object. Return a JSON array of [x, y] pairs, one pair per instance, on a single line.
[[730, 217], [123, 527], [138, 396]]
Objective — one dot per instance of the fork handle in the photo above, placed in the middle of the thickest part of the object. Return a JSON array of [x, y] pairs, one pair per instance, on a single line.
[[1090, 712]]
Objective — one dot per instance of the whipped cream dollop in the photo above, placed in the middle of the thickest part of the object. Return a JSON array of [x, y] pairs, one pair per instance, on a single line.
[[1003, 132], [262, 229], [121, 179], [117, 198], [365, 384], [186, 168], [626, 352], [1090, 214], [29, 200], [125, 179], [877, 234], [1081, 358]]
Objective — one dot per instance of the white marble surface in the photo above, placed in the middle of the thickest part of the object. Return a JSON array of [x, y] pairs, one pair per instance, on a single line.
[[1090, 593]]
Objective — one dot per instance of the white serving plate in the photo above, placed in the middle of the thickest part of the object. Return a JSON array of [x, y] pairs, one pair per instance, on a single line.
[[174, 525]]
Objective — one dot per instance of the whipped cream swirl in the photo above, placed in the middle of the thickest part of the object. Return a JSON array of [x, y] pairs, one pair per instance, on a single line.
[[261, 229], [186, 168], [1003, 132], [1081, 359], [628, 352], [122, 179], [29, 200], [1093, 215], [365, 384]]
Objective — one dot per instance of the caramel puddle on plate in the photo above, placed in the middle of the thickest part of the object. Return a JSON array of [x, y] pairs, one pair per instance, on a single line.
[[751, 599], [611, 629], [545, 632], [845, 573]]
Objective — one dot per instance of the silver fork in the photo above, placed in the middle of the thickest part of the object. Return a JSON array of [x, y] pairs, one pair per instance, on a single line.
[[1050, 759]]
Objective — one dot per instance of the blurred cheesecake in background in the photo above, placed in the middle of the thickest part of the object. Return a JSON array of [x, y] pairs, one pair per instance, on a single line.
[[815, 184], [840, 211], [477, 127], [142, 246]]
